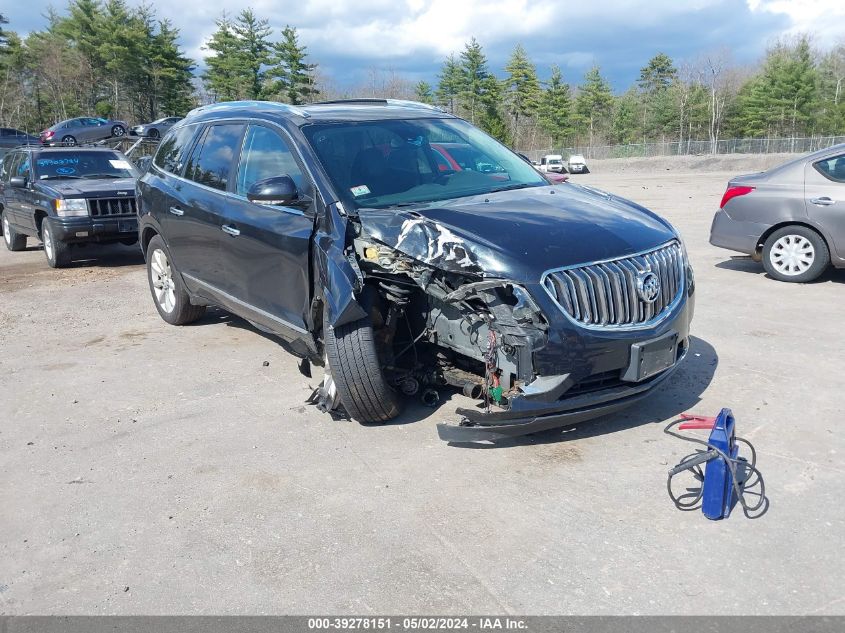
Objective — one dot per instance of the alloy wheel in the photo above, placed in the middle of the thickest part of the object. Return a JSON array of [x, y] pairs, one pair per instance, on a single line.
[[792, 255], [7, 230], [162, 278], [48, 241]]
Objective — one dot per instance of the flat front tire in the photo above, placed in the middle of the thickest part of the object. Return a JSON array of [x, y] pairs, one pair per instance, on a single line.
[[14, 241], [796, 254], [355, 371], [166, 287]]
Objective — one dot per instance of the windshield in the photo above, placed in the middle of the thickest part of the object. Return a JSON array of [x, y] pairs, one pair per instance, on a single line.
[[554, 161], [82, 164], [398, 162]]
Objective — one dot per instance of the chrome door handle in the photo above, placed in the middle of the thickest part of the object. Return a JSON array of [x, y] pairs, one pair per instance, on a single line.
[[230, 230], [176, 211], [824, 201]]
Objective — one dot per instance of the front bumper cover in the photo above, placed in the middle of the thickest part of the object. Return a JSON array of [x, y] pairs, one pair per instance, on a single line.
[[477, 426]]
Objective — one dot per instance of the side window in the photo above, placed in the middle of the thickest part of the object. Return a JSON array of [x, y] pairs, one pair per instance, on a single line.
[[265, 154], [6, 166], [832, 168], [171, 153], [22, 167], [211, 160]]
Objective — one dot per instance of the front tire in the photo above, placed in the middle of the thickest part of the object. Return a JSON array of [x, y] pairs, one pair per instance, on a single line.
[[169, 294], [355, 369], [795, 254], [14, 241], [153, 134], [57, 252]]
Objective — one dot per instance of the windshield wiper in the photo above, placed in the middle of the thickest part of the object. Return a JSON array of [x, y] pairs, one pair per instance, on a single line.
[[511, 187], [104, 176], [58, 177]]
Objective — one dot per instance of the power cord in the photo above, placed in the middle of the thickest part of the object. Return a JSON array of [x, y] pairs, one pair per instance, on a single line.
[[694, 461]]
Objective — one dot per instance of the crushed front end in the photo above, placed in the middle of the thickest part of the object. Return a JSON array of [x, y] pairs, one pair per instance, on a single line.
[[573, 344]]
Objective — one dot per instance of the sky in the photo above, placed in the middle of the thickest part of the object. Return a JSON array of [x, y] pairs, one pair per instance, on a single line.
[[412, 37]]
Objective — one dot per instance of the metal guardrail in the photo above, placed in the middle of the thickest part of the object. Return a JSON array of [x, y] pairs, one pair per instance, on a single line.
[[798, 145]]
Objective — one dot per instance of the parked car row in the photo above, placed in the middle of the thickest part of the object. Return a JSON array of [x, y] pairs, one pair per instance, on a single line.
[[401, 249], [554, 163], [83, 130]]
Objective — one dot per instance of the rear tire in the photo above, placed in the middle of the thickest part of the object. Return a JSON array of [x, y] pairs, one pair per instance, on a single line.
[[356, 371], [57, 252], [14, 241], [69, 140], [170, 297], [117, 131], [795, 254]]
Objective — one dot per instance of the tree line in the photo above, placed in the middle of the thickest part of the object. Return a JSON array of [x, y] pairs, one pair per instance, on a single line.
[[107, 58]]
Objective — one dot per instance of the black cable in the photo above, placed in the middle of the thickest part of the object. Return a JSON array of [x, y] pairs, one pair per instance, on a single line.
[[717, 453]]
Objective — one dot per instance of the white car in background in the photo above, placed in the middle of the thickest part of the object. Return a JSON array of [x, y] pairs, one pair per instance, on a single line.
[[552, 163], [577, 164]]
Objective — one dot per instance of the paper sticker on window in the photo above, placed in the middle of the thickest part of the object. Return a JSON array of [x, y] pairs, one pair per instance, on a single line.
[[119, 164], [360, 190]]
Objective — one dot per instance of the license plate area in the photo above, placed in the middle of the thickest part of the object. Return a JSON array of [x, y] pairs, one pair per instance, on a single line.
[[651, 357]]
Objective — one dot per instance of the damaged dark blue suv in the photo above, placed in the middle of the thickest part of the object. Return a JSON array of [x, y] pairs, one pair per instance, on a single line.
[[403, 250]]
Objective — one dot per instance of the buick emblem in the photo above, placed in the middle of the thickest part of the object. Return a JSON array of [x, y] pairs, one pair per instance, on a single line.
[[648, 286]]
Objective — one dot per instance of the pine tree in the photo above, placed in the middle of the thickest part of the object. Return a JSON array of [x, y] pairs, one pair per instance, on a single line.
[[594, 102], [226, 66], [522, 89], [657, 103], [475, 74], [555, 109], [294, 76], [171, 73], [450, 84], [252, 35], [423, 92]]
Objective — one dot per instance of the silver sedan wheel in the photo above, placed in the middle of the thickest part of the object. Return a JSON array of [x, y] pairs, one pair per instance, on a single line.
[[48, 241], [792, 255], [330, 398], [7, 230], [162, 278]]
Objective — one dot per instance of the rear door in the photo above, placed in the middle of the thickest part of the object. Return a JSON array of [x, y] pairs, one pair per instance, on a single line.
[[266, 250], [195, 216], [824, 191]]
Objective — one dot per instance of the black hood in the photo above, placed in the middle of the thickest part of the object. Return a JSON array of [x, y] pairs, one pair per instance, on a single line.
[[519, 234], [87, 187]]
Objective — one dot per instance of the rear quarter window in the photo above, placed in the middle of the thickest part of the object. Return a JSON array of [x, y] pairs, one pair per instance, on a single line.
[[832, 168]]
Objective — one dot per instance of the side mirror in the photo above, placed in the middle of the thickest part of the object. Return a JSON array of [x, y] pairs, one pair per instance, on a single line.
[[18, 182], [279, 190]]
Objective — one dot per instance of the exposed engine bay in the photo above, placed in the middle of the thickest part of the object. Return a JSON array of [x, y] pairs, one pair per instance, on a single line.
[[439, 321]]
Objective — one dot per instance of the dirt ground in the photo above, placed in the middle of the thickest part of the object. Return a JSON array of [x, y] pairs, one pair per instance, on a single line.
[[148, 469]]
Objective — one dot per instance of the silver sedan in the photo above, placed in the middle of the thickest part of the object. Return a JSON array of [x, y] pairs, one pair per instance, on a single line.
[[82, 130], [791, 217], [156, 129]]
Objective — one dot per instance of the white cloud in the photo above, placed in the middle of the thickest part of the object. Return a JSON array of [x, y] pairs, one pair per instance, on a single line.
[[825, 19]]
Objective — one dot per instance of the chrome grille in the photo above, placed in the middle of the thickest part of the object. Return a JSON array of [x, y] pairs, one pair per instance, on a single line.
[[605, 294], [107, 207]]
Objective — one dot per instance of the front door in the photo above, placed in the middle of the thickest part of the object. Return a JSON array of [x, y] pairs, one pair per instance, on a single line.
[[824, 191], [266, 249]]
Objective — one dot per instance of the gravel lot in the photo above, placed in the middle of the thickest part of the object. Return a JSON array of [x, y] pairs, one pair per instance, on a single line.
[[149, 469]]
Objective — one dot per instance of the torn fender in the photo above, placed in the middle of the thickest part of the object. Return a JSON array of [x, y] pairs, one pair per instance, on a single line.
[[338, 279], [428, 241]]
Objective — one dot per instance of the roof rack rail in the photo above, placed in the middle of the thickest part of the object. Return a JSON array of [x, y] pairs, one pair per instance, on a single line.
[[353, 101], [248, 103], [386, 102]]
